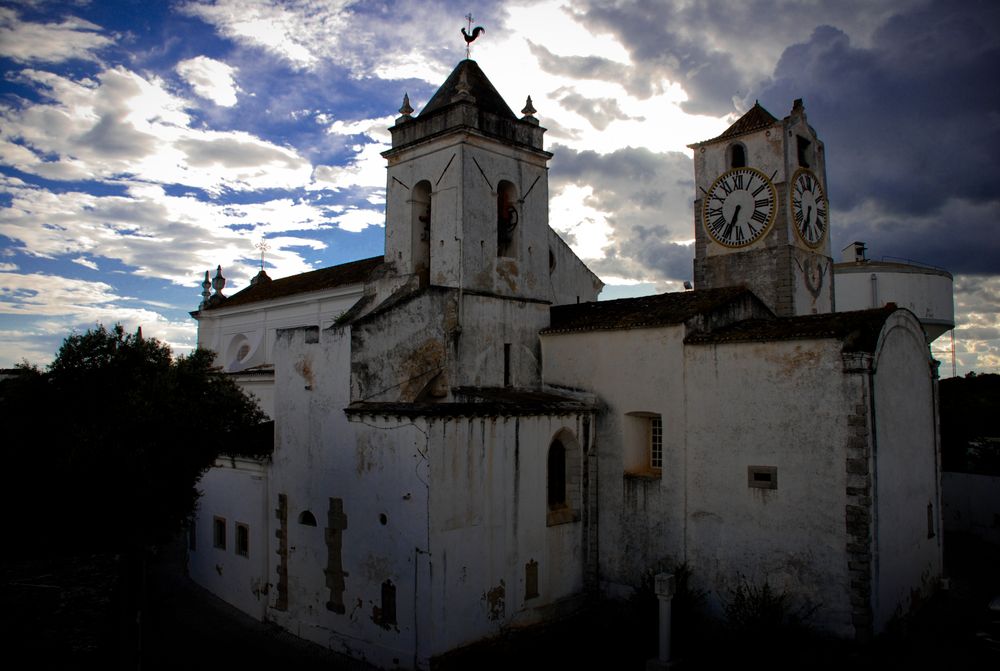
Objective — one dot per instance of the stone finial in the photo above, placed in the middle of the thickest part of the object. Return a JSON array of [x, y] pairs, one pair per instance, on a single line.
[[406, 111], [529, 112], [798, 108], [206, 287], [259, 278], [218, 282], [463, 88], [529, 109]]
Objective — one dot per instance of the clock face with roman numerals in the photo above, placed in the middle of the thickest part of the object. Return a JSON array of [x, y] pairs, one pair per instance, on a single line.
[[740, 207], [809, 208]]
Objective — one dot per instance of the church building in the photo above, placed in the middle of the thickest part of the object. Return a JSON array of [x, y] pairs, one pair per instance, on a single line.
[[467, 440]]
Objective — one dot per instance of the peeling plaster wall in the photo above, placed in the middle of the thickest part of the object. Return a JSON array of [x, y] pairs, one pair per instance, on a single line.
[[398, 353], [639, 370], [488, 323], [365, 484], [236, 490], [784, 405], [223, 330], [570, 280], [465, 170], [908, 561], [488, 511]]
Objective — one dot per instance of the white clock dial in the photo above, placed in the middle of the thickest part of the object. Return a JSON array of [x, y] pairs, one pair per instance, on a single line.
[[809, 208], [740, 207]]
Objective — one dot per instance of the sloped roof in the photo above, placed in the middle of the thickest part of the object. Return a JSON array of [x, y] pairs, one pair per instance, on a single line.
[[353, 272], [486, 96], [859, 330], [754, 120], [480, 402], [643, 312]]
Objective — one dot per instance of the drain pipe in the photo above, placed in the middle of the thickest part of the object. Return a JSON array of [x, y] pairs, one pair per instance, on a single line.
[[665, 587]]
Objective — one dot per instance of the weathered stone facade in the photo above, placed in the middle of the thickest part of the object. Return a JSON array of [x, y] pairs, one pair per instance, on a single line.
[[466, 441]]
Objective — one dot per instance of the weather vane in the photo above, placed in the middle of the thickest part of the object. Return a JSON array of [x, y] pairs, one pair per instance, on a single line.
[[470, 34], [263, 247]]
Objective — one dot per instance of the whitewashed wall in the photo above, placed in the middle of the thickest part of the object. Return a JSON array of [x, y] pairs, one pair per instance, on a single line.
[[319, 456], [640, 518], [908, 559], [235, 489], [779, 404], [488, 512]]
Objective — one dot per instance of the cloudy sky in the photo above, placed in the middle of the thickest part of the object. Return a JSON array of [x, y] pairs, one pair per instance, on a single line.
[[142, 143]]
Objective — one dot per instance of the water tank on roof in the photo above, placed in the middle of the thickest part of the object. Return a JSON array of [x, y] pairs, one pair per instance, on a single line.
[[926, 291]]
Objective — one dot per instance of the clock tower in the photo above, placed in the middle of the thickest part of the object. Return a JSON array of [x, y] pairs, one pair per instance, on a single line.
[[761, 212]]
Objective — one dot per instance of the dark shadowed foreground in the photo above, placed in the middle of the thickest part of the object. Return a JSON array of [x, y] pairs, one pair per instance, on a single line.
[[63, 614]]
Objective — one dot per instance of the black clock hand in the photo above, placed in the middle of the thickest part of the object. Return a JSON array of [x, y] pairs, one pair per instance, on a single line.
[[805, 223], [732, 223]]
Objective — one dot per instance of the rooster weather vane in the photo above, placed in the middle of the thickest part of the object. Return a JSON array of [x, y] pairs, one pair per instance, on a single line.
[[470, 35]]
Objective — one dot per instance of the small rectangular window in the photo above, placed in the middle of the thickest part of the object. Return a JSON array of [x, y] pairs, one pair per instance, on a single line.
[[242, 539], [530, 580], [506, 364], [804, 151], [655, 443], [219, 532], [762, 477]]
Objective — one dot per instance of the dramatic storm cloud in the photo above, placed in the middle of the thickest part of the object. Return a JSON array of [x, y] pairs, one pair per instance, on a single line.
[[141, 144]]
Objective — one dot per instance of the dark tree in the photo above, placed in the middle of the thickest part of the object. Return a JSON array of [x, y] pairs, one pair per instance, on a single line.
[[970, 423], [106, 446]]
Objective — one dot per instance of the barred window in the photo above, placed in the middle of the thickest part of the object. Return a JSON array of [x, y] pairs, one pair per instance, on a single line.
[[655, 443]]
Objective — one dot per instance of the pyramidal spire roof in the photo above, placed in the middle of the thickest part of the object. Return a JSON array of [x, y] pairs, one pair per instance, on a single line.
[[754, 120], [467, 101], [469, 83]]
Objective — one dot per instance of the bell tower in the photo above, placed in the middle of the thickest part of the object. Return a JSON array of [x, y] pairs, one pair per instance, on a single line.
[[761, 212], [467, 192]]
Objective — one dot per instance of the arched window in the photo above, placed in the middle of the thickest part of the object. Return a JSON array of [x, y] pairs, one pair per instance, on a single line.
[[420, 232], [804, 150], [557, 475], [563, 478], [306, 518], [507, 219], [737, 156]]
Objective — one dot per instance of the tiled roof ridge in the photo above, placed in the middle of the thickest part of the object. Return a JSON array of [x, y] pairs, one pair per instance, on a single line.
[[755, 119], [468, 81], [352, 272]]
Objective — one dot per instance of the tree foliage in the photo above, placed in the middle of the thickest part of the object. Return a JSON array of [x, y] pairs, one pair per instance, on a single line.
[[106, 446], [970, 423]]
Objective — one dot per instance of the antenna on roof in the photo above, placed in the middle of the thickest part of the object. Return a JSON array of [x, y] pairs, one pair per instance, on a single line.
[[263, 247], [471, 34]]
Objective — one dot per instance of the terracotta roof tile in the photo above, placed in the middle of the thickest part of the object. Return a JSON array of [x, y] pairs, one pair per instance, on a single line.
[[643, 312], [486, 96], [858, 329], [354, 272], [756, 119]]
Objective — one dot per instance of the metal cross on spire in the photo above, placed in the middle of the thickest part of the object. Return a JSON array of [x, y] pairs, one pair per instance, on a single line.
[[471, 34], [263, 247]]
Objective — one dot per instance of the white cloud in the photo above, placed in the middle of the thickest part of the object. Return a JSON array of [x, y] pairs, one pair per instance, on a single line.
[[295, 30], [585, 227], [210, 79], [28, 42], [86, 263], [170, 237], [357, 219], [122, 124], [7, 267], [56, 306]]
